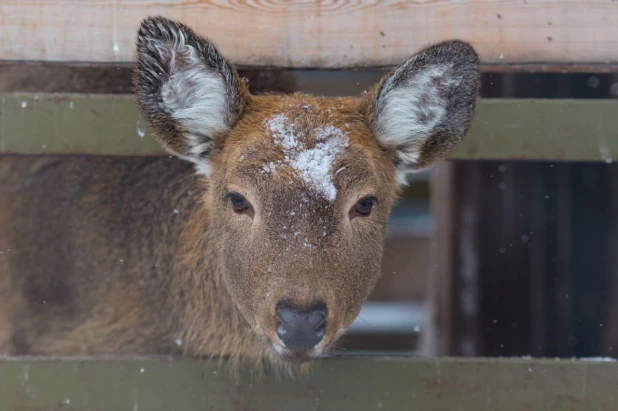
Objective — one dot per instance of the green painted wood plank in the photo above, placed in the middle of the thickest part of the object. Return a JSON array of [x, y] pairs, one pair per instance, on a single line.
[[73, 124], [507, 129], [555, 129], [335, 384]]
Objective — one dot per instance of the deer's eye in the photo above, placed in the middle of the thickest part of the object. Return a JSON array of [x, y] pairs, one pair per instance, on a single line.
[[363, 207], [239, 203]]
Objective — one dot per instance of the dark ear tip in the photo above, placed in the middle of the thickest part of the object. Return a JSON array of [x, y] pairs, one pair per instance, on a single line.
[[149, 25], [458, 43], [467, 49], [461, 49], [149, 28], [157, 27], [153, 22]]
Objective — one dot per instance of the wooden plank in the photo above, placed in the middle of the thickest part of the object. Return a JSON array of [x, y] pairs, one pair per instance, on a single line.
[[531, 129], [506, 129], [437, 334], [334, 384], [319, 33], [453, 322], [102, 78], [73, 124]]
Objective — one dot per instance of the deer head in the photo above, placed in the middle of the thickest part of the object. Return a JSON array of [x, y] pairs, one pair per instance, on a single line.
[[299, 188]]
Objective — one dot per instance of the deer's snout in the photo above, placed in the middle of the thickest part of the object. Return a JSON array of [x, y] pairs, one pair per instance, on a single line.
[[300, 329]]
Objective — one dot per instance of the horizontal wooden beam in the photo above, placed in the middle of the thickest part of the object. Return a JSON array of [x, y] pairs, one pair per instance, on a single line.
[[54, 77], [333, 384], [319, 34], [504, 129], [552, 129]]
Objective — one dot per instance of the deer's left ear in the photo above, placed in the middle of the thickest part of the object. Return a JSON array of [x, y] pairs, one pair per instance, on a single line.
[[424, 107]]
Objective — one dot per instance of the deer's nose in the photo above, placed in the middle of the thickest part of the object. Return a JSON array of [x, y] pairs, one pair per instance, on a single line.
[[300, 330]]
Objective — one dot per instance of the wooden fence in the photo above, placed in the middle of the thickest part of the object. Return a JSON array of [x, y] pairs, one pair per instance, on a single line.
[[271, 41]]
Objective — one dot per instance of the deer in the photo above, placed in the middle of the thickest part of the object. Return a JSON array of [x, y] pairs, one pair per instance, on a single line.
[[257, 239]]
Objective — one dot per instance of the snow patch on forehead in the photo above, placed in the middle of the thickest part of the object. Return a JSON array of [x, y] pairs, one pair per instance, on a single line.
[[323, 133], [283, 131], [314, 164]]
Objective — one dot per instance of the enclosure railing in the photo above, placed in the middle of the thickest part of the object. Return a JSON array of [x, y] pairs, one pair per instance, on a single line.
[[545, 36]]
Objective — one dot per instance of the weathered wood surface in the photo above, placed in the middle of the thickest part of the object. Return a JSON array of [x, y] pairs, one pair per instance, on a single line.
[[504, 129], [335, 384], [335, 34]]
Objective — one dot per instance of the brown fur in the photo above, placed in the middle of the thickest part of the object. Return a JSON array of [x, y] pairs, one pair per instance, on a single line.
[[132, 255], [103, 264]]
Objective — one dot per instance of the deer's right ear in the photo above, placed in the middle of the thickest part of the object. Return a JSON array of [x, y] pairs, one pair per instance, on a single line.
[[186, 90]]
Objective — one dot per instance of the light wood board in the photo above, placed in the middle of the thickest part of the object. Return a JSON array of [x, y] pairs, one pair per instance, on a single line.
[[319, 34]]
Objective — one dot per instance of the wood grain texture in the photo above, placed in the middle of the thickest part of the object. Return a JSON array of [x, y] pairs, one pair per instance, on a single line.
[[326, 34]]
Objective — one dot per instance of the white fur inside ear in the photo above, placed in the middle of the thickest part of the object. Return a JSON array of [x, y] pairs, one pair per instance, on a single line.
[[198, 146], [402, 177], [412, 108], [203, 168], [198, 157], [193, 95]]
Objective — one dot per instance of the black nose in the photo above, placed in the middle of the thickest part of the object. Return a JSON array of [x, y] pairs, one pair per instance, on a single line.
[[300, 330]]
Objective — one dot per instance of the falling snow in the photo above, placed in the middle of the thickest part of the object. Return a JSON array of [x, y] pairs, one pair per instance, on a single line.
[[605, 154]]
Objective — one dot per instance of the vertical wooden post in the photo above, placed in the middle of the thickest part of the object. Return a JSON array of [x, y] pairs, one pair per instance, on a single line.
[[437, 326], [452, 303]]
